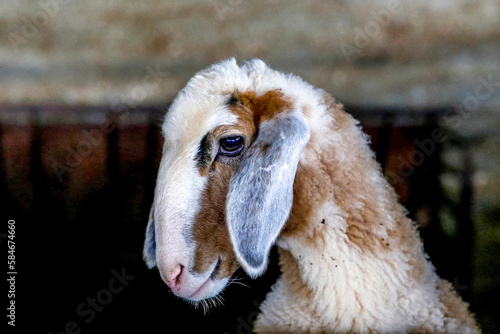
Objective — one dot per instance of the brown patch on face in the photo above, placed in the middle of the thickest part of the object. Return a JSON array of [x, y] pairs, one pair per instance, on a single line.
[[210, 230], [252, 110], [266, 106]]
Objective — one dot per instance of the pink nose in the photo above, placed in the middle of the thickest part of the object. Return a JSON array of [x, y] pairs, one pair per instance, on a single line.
[[174, 276]]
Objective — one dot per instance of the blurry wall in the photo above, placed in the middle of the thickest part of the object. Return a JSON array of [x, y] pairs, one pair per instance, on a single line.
[[390, 52]]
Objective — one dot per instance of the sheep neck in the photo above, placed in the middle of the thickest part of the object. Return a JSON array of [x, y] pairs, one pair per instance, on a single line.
[[346, 235]]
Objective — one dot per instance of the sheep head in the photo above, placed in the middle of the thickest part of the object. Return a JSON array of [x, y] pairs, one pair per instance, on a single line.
[[225, 183]]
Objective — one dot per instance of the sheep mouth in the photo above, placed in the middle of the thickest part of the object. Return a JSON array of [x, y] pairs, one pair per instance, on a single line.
[[211, 286], [200, 290], [212, 277]]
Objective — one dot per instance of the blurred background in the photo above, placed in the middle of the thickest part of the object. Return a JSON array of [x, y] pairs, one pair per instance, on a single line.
[[84, 86]]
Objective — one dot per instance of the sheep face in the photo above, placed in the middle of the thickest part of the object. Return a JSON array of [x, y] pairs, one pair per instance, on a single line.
[[225, 182]]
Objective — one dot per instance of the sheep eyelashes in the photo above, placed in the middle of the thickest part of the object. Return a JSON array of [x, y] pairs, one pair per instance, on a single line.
[[253, 157]]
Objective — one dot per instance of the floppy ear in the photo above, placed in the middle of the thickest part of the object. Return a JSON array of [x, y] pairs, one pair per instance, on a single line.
[[149, 252], [261, 191]]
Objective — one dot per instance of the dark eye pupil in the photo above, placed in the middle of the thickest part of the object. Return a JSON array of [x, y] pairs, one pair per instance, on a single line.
[[231, 145]]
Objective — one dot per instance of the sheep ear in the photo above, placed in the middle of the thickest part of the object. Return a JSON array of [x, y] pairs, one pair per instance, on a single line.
[[261, 191], [149, 252]]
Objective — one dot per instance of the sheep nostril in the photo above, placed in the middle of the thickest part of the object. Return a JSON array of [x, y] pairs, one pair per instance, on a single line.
[[174, 277]]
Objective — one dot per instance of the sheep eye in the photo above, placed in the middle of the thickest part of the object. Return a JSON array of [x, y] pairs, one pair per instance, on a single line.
[[231, 146]]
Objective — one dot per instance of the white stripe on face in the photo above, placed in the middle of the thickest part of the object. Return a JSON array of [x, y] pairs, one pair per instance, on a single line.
[[178, 193]]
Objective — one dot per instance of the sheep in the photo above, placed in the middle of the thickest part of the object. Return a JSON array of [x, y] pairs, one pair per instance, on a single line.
[[253, 157]]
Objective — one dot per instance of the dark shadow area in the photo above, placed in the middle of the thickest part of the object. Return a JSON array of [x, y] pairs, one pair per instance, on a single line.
[[80, 238]]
